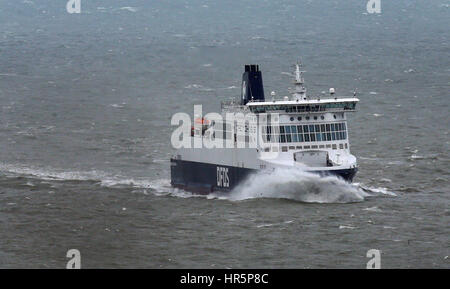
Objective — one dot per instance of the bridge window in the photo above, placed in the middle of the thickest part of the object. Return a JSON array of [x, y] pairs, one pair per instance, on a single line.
[[304, 108], [304, 133]]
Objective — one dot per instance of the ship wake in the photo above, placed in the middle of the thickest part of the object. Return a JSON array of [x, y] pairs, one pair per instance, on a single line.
[[291, 184]]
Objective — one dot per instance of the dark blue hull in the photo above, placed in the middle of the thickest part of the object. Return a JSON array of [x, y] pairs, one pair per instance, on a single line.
[[205, 178]]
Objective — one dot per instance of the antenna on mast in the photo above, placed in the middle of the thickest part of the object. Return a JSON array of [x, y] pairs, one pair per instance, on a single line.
[[300, 90]]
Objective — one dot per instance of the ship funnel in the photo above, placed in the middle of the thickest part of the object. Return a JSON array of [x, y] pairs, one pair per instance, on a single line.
[[252, 84]]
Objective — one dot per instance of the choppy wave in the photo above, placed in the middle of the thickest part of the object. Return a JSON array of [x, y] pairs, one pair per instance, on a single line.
[[130, 9], [49, 174], [198, 87]]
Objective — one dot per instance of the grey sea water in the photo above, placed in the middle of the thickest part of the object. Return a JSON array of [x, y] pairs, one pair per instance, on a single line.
[[85, 107]]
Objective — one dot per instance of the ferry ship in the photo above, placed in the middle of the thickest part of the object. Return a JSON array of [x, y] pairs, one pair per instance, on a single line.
[[297, 132]]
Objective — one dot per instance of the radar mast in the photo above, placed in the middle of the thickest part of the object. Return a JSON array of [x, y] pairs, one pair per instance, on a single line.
[[300, 90]]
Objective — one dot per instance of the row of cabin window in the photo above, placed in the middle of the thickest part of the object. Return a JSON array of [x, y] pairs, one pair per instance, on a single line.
[[307, 147], [311, 137], [321, 107], [304, 133], [303, 108], [329, 127], [221, 126], [298, 133], [228, 135], [286, 138], [222, 134], [334, 146]]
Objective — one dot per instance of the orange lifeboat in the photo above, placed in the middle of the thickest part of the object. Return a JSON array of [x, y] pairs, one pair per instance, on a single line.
[[202, 121]]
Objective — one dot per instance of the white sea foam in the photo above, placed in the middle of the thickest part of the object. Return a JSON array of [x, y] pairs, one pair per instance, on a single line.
[[130, 9], [421, 157], [372, 209], [115, 105], [375, 191], [274, 224], [112, 182], [298, 185], [198, 87], [50, 173]]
